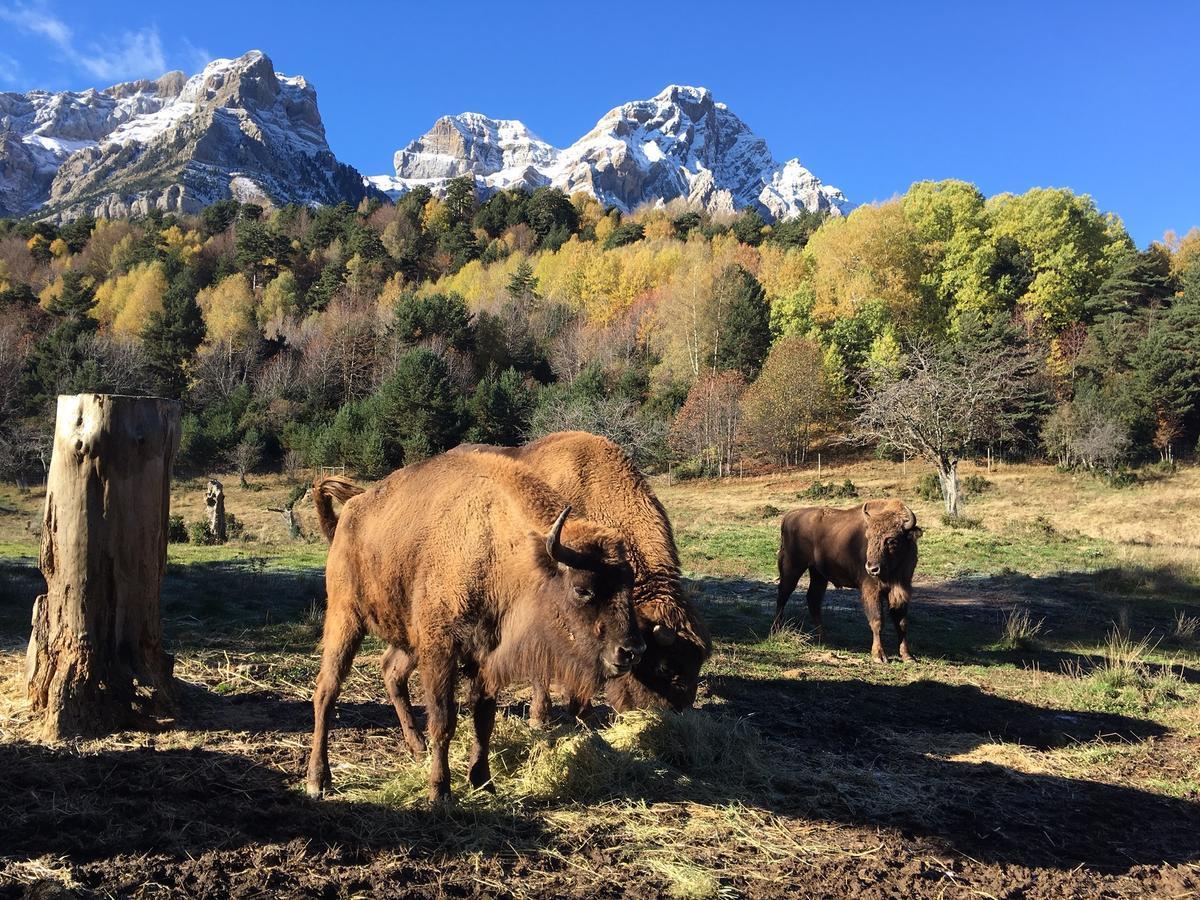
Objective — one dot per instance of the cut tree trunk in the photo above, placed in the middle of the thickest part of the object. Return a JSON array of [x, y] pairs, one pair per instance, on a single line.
[[95, 652], [214, 499]]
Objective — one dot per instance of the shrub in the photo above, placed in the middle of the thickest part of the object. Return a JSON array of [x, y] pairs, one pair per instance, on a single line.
[[820, 490], [200, 535], [928, 487], [975, 484], [177, 532], [961, 523], [234, 527]]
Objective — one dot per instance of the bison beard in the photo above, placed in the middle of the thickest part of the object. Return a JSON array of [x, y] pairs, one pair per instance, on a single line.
[[600, 480], [467, 562], [872, 547]]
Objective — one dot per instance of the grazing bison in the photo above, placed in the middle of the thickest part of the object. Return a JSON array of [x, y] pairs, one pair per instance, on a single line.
[[872, 547], [599, 479], [468, 561]]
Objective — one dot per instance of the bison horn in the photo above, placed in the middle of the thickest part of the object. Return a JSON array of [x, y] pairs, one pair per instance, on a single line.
[[866, 512], [558, 551], [663, 636], [553, 539], [912, 520]]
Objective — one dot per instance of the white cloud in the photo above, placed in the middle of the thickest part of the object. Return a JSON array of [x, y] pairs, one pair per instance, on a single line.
[[136, 54], [10, 69], [133, 54], [196, 57]]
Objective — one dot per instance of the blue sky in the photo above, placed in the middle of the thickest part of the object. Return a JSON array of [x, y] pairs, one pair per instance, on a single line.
[[1101, 97]]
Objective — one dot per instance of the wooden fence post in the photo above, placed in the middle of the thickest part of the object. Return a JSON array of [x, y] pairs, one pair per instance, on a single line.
[[97, 629]]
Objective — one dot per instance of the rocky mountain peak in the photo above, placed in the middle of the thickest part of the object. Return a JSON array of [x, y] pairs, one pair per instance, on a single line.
[[680, 143], [238, 128]]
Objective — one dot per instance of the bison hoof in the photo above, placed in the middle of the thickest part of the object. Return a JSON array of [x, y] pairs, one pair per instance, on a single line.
[[316, 787], [879, 658], [907, 657], [417, 748]]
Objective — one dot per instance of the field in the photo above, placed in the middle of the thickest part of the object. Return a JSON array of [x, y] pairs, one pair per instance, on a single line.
[[1046, 743]]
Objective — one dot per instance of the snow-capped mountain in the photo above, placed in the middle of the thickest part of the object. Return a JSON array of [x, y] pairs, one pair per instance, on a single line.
[[500, 152], [680, 143], [237, 129]]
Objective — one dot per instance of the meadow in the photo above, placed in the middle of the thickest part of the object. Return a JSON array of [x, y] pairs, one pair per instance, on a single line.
[[1045, 744]]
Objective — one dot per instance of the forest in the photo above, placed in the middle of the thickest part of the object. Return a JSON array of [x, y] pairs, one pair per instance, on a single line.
[[377, 336]]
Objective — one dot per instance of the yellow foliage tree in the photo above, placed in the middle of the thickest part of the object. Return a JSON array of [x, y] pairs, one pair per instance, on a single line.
[[280, 304], [228, 309], [872, 254], [125, 303]]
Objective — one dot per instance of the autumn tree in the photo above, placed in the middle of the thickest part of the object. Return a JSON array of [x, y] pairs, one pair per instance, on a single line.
[[788, 400], [228, 308], [708, 425]]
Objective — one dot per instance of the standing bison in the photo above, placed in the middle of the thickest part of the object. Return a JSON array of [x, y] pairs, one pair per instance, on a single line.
[[468, 561], [872, 547], [599, 480]]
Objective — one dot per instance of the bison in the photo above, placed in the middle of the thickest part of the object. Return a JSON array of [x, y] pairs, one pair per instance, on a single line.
[[468, 561], [872, 547], [599, 479]]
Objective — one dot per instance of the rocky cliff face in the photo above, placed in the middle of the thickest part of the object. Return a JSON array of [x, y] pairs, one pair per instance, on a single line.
[[237, 129], [680, 143]]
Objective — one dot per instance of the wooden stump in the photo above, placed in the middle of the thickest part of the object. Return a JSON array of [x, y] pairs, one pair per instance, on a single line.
[[95, 653], [214, 499]]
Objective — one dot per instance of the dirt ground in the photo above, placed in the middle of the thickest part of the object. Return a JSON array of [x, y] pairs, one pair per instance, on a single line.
[[1064, 763]]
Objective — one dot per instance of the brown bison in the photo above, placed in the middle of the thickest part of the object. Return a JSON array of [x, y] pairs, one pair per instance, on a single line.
[[872, 547], [599, 480], [468, 561]]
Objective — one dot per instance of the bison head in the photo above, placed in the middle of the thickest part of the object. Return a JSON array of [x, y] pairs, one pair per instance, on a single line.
[[594, 585], [667, 676], [891, 536]]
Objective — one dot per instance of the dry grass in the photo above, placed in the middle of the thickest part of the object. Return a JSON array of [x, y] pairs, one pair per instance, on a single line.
[[1020, 630]]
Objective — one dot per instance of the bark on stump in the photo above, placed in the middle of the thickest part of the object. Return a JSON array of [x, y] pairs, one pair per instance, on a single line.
[[97, 629], [214, 499]]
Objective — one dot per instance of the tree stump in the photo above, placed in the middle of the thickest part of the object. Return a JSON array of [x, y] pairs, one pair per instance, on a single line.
[[214, 499], [95, 653]]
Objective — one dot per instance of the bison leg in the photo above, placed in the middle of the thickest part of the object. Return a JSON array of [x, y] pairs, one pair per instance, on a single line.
[[580, 708], [343, 634], [438, 671], [872, 601], [540, 705], [397, 667], [483, 717], [898, 606], [789, 577], [816, 596]]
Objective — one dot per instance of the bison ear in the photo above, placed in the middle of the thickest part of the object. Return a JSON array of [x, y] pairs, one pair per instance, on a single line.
[[916, 532], [663, 636]]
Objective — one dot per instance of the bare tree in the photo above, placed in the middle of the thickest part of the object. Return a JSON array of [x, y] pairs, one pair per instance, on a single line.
[[613, 417], [244, 457], [945, 404]]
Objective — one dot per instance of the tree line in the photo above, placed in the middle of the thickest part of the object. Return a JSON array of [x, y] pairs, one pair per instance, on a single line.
[[376, 336]]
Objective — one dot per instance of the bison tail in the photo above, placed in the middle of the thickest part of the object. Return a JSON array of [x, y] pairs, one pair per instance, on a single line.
[[326, 489]]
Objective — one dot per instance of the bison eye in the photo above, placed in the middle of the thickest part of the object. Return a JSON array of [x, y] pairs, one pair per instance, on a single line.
[[584, 594]]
